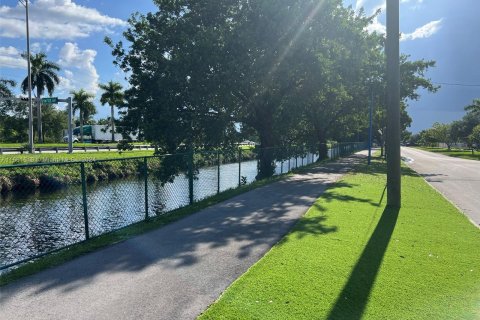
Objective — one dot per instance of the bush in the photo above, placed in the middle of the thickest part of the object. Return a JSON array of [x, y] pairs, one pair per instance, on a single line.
[[6, 184]]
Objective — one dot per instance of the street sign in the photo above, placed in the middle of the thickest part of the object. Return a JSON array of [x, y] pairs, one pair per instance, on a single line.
[[50, 100]]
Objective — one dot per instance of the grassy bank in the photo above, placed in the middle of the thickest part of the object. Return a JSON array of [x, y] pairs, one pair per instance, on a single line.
[[457, 153], [350, 257], [65, 145], [7, 159], [24, 179]]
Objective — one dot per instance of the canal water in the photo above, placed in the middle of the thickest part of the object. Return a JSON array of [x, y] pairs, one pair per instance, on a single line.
[[41, 222]]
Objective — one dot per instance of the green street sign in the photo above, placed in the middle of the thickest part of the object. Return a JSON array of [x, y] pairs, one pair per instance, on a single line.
[[50, 100]]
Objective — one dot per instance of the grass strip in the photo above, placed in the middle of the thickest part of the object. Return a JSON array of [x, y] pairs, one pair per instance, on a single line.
[[457, 153], [65, 145], [350, 257], [7, 159]]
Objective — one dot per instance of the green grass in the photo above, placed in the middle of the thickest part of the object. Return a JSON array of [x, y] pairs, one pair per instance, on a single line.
[[65, 157], [349, 258], [65, 145], [458, 153]]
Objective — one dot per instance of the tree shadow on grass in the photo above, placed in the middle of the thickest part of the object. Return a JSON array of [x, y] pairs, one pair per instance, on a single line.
[[353, 299]]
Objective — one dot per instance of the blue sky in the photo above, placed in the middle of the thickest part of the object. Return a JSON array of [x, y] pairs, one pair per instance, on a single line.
[[72, 32]]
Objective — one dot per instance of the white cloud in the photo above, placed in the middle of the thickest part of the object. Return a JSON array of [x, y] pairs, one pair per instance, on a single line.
[[79, 71], [55, 19], [424, 31], [37, 47], [376, 25], [10, 57]]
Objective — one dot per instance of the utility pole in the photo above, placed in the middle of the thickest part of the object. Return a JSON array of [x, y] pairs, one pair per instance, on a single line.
[[31, 147], [393, 104]]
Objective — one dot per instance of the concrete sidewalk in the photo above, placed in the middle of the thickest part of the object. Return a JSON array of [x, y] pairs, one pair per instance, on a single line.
[[177, 271]]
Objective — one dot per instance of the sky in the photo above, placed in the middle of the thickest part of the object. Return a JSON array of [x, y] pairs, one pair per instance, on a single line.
[[71, 32]]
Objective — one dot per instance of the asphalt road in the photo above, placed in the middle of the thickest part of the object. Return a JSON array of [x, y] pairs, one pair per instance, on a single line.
[[177, 271], [457, 179]]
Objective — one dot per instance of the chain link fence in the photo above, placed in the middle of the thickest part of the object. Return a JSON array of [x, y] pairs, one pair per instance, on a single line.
[[49, 206]]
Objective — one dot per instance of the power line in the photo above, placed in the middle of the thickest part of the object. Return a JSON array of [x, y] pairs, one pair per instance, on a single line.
[[457, 84]]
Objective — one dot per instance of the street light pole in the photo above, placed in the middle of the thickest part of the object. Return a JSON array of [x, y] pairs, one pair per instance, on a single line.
[[393, 105], [370, 128], [31, 148]]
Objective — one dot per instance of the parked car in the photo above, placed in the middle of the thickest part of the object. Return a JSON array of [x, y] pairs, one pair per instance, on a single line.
[[74, 139]]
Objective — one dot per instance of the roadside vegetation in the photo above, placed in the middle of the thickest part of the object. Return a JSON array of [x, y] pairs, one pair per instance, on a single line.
[[350, 257], [457, 153], [460, 134]]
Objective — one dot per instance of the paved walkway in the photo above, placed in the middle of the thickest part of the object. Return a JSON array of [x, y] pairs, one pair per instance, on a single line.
[[175, 272], [457, 179]]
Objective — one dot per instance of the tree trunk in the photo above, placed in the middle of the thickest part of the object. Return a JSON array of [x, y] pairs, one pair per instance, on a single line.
[[266, 167], [39, 117], [322, 146], [264, 127], [113, 124]]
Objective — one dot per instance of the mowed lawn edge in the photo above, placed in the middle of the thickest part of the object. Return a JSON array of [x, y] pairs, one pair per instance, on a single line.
[[350, 257]]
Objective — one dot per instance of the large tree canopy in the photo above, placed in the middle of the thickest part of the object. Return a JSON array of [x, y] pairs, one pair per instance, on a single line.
[[292, 71]]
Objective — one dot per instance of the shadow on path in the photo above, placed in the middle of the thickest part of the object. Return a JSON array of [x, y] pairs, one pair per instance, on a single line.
[[353, 299]]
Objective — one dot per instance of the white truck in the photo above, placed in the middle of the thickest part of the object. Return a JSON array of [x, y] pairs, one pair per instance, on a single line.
[[97, 133]]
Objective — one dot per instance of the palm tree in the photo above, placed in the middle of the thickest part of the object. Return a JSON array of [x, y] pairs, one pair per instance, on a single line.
[[83, 103], [475, 107], [44, 76], [114, 97]]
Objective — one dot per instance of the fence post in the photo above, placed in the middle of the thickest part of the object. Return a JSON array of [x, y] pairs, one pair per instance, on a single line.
[[84, 200], [281, 167], [239, 167], [218, 171], [190, 175], [145, 168]]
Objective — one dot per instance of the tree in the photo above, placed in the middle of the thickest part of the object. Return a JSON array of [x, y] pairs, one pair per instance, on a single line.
[[44, 77], [82, 102], [294, 76], [441, 133], [474, 137], [173, 98], [13, 115], [474, 107], [54, 122], [114, 97]]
